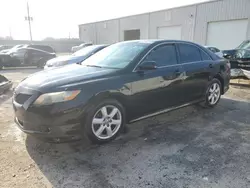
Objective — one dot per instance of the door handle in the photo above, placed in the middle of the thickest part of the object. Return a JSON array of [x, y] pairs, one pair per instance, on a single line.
[[210, 65]]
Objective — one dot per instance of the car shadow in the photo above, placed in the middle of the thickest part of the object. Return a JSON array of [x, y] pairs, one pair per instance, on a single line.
[[170, 150]]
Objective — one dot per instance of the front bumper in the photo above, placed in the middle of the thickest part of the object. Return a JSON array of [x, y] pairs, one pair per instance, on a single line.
[[58, 122], [4, 86], [51, 133]]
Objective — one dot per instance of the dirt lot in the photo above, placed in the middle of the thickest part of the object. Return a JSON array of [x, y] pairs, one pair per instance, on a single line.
[[191, 147]]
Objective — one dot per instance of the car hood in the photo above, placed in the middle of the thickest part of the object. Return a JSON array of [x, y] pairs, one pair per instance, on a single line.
[[69, 58], [49, 80]]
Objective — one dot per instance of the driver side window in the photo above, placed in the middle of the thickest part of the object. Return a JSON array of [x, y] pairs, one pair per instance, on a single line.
[[163, 55]]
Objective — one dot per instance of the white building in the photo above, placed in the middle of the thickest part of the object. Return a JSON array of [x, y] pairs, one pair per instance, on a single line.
[[221, 23]]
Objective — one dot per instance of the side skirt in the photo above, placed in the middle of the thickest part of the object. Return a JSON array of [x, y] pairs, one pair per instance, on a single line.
[[165, 110]]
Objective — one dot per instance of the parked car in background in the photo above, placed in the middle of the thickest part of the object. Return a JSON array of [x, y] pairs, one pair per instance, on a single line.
[[244, 45], [83, 45], [14, 48], [5, 47], [25, 57], [76, 57], [5, 84], [123, 83], [40, 47], [239, 58], [215, 50]]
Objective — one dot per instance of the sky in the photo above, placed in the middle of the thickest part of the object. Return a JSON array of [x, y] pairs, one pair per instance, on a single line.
[[60, 18]]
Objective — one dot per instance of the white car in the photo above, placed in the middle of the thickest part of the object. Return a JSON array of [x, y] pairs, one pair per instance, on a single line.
[[215, 50], [83, 45]]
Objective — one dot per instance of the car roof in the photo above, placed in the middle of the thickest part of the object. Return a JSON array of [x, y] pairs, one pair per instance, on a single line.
[[155, 41], [35, 49], [210, 47], [100, 45], [39, 45]]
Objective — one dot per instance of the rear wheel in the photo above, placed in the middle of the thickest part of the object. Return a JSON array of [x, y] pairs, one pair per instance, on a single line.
[[41, 63], [105, 121], [213, 93]]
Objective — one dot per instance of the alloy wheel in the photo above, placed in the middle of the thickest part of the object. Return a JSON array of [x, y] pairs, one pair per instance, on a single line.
[[214, 93], [106, 122]]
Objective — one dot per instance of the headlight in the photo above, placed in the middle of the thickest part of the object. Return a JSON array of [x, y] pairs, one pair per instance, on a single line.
[[51, 98]]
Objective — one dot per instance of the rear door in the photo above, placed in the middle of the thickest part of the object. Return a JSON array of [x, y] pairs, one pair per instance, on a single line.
[[35, 56], [198, 66], [158, 89]]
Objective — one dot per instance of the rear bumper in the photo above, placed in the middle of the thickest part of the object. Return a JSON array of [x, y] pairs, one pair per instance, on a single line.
[[226, 79]]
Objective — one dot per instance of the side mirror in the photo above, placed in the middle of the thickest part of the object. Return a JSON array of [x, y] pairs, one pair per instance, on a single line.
[[227, 56], [148, 65]]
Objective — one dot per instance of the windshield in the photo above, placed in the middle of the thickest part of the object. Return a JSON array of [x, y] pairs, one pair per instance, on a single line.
[[117, 55], [15, 48], [85, 51], [242, 54], [244, 45]]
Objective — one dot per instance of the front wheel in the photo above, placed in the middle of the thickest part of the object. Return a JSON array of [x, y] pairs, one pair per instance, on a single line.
[[213, 93], [105, 121]]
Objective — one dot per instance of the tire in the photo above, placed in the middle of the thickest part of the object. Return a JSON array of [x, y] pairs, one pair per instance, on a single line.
[[98, 126], [41, 63], [213, 94]]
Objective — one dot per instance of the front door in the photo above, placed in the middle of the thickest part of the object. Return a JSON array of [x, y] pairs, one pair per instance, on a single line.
[[157, 89]]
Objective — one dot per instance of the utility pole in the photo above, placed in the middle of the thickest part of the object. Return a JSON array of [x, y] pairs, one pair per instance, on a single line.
[[29, 19]]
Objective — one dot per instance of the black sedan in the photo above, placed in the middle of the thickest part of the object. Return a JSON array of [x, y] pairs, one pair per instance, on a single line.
[[25, 57], [123, 83]]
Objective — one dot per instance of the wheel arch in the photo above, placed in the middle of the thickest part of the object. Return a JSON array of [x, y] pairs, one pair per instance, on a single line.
[[219, 77], [121, 98]]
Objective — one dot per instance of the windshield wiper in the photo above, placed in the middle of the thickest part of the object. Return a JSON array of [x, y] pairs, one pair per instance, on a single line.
[[94, 66]]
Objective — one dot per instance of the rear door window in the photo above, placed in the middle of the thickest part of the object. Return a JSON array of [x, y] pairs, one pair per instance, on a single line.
[[163, 55], [20, 52], [189, 53], [44, 48], [216, 50], [204, 56]]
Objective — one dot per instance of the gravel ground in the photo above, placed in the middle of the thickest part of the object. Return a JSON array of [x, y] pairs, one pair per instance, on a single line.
[[190, 147]]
